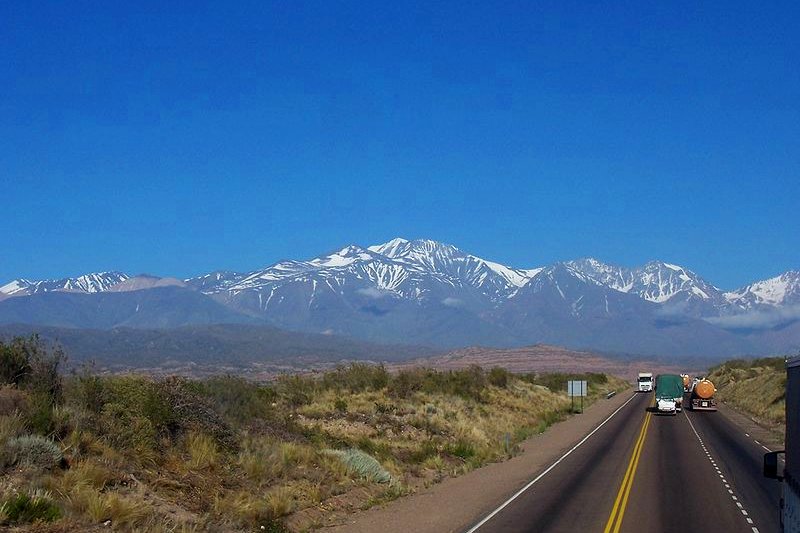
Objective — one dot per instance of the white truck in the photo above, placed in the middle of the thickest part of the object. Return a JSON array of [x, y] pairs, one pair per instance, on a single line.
[[645, 382]]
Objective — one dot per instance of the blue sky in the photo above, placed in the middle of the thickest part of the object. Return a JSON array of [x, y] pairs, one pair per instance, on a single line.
[[177, 138]]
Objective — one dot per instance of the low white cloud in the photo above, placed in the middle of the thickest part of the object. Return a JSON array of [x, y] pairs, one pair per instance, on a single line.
[[677, 309], [452, 302], [758, 319], [373, 292]]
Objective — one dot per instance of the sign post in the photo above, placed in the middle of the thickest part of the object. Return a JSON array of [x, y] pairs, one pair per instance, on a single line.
[[576, 388]]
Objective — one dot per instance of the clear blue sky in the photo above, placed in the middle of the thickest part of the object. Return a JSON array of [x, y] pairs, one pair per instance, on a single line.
[[177, 138]]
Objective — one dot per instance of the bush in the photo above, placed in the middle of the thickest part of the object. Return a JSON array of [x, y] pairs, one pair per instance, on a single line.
[[498, 377], [461, 448], [340, 405], [24, 509], [237, 399], [363, 465], [12, 400], [407, 382], [357, 377], [33, 450], [135, 412], [31, 365]]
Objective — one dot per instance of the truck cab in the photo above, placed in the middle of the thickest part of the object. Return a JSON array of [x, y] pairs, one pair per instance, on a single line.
[[645, 382]]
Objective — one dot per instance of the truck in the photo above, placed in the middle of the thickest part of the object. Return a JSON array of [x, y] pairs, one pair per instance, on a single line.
[[645, 382], [669, 393], [687, 381], [702, 396], [790, 476]]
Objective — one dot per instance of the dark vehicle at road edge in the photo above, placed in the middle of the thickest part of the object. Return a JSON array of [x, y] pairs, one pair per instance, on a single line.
[[790, 502]]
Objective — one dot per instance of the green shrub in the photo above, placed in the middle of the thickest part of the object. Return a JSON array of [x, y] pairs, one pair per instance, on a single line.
[[498, 377], [24, 508], [33, 366], [407, 382], [357, 377], [340, 405], [236, 398], [33, 450], [296, 390], [363, 465], [461, 448], [39, 414], [128, 431], [135, 412]]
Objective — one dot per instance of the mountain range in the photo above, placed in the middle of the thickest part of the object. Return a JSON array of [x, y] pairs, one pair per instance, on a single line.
[[424, 292]]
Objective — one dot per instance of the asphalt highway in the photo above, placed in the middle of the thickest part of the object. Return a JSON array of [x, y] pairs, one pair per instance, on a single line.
[[643, 471]]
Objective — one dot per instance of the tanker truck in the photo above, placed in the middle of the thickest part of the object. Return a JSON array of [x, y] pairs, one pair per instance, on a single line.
[[669, 393], [790, 473], [703, 396]]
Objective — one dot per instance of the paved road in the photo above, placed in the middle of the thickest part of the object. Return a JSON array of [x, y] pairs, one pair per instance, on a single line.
[[643, 471]]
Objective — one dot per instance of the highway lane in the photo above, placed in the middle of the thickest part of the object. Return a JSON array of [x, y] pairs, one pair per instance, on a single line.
[[741, 458], [579, 492], [648, 471], [681, 484]]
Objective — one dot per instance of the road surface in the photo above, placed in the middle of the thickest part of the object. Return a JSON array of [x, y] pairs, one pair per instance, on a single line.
[[641, 471]]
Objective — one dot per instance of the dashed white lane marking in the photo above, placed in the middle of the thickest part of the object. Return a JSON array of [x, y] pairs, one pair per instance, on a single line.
[[721, 476], [549, 468], [747, 434]]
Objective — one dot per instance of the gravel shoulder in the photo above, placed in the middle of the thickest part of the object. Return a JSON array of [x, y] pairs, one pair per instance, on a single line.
[[456, 503]]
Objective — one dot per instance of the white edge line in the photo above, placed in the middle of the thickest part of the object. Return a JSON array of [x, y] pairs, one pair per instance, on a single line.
[[738, 503], [549, 468]]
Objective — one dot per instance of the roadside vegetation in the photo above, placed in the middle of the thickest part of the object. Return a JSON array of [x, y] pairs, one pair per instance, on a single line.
[[756, 387], [224, 453]]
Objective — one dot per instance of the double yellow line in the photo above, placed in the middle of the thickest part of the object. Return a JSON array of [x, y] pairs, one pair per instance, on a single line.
[[618, 511]]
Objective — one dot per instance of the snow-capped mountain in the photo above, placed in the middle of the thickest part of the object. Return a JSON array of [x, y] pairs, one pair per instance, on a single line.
[[658, 282], [88, 283], [618, 278], [662, 282], [419, 269], [496, 281], [780, 291], [427, 292]]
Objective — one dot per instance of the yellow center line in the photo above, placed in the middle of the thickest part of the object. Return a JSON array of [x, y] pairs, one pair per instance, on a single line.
[[620, 503]]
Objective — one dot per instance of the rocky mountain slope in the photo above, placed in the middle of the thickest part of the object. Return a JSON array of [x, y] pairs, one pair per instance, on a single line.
[[432, 293]]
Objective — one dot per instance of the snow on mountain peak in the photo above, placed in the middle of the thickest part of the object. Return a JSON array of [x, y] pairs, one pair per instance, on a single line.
[[776, 291], [15, 286], [88, 283], [344, 257], [390, 248]]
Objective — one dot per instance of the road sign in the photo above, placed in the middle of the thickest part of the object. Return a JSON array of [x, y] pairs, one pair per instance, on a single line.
[[576, 388]]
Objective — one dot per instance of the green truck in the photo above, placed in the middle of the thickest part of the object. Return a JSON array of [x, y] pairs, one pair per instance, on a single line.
[[669, 393]]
